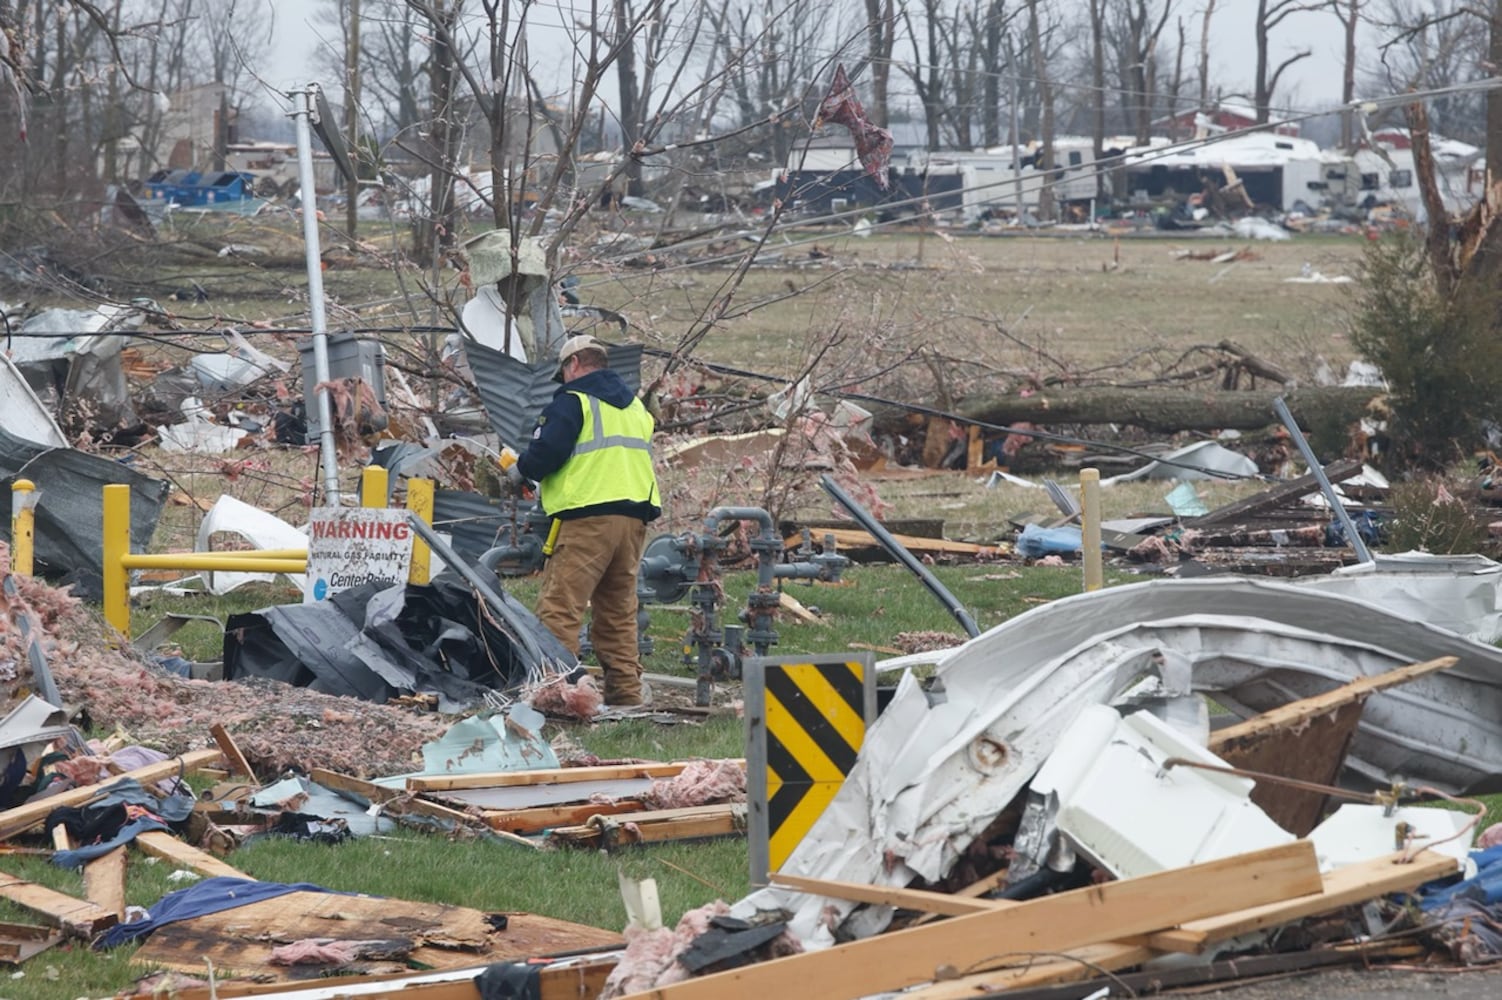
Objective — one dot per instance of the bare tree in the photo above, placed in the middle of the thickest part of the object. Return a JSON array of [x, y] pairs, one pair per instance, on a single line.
[[1271, 14], [881, 29]]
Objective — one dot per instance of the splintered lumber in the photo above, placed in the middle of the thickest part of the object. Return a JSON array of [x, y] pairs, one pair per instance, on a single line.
[[655, 825], [855, 538], [161, 844], [1344, 887], [1306, 740], [404, 804], [18, 942], [240, 941], [237, 762], [1352, 884], [79, 917], [538, 819], [1296, 713], [942, 904], [1056, 923], [24, 817], [551, 776], [794, 607], [104, 881], [1275, 496]]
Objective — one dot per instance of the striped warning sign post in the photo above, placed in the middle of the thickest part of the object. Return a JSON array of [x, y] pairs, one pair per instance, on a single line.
[[806, 718]]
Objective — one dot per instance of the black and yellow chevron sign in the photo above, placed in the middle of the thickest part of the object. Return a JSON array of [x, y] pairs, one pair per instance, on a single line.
[[807, 719]]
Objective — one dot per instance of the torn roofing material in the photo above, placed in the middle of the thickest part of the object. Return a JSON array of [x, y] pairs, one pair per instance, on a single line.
[[374, 644], [945, 758], [69, 510], [514, 392]]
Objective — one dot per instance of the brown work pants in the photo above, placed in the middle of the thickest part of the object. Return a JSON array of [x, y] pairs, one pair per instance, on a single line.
[[595, 562]]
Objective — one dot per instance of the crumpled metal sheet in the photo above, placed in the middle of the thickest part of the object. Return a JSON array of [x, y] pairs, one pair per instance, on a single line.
[[1462, 593], [375, 644], [940, 763], [70, 509], [514, 392]]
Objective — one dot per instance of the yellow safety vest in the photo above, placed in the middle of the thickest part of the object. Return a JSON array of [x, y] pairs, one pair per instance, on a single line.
[[612, 460]]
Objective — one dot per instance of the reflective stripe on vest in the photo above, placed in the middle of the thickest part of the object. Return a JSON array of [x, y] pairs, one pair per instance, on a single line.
[[612, 459]]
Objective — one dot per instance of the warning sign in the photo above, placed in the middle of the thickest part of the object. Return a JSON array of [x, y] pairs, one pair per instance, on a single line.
[[808, 719], [348, 546]]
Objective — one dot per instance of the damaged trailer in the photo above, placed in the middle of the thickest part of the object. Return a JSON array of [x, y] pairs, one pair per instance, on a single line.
[[950, 754]]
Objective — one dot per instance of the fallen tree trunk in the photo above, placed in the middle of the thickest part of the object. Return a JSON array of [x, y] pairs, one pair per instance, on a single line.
[[1162, 410]]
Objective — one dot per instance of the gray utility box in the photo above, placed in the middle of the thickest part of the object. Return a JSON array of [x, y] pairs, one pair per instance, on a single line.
[[349, 357]]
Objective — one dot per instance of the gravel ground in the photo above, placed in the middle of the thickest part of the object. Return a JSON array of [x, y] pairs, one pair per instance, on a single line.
[[1368, 984]]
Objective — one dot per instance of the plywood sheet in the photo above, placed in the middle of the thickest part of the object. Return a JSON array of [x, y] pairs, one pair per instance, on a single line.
[[239, 941]]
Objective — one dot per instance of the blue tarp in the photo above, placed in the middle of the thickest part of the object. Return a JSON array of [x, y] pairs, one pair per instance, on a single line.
[[212, 895]]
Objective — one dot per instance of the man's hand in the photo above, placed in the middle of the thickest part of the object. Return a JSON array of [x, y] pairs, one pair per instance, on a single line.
[[515, 481]]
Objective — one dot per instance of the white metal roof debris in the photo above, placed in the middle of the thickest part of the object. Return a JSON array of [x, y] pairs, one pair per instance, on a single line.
[[945, 758]]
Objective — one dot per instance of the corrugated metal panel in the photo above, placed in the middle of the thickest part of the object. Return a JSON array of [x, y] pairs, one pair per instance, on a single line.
[[473, 522], [514, 392]]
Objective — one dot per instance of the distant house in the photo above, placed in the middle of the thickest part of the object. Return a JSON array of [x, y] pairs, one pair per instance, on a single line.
[[189, 126], [1224, 117]]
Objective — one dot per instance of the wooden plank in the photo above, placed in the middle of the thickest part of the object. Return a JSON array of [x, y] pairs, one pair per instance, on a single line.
[[940, 903], [794, 607], [24, 817], [400, 803], [1352, 884], [657, 825], [60, 839], [552, 776], [853, 538], [538, 819], [79, 917], [1051, 924], [1297, 712], [1276, 496], [161, 844], [237, 762], [104, 881]]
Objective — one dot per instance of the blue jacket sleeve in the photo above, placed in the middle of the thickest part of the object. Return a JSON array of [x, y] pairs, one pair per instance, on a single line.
[[553, 437]]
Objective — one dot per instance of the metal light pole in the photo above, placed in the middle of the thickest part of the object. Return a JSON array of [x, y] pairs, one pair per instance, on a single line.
[[304, 110]]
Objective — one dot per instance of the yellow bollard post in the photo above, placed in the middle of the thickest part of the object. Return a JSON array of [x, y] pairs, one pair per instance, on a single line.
[[23, 498], [116, 547], [1095, 576], [374, 482], [420, 502]]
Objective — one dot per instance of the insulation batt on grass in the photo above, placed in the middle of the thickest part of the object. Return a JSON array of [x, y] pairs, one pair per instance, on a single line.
[[275, 725], [701, 782]]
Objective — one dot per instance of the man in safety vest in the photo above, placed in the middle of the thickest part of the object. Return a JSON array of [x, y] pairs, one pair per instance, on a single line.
[[591, 455]]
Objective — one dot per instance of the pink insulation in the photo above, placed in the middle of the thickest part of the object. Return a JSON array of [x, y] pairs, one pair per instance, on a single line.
[[700, 783], [558, 698], [651, 956]]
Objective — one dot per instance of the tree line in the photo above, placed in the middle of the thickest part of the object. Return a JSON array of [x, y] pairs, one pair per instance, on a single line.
[[529, 87]]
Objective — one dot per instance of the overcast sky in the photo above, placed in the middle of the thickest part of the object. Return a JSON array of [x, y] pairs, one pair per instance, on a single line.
[[1311, 84]]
